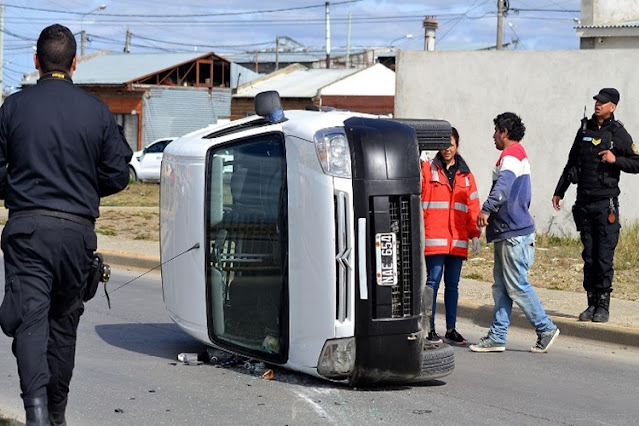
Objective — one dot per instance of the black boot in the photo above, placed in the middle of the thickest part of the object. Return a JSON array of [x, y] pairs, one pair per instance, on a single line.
[[56, 414], [36, 411], [603, 308], [592, 307]]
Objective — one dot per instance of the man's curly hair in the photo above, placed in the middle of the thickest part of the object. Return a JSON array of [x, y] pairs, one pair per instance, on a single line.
[[511, 122]]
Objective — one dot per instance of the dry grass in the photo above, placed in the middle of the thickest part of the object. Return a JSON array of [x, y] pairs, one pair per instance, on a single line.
[[558, 264], [135, 195]]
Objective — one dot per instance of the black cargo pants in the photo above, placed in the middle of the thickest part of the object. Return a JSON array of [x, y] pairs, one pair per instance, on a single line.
[[47, 261], [599, 237]]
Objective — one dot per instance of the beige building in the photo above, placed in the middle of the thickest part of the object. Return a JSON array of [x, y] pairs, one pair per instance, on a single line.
[[609, 24]]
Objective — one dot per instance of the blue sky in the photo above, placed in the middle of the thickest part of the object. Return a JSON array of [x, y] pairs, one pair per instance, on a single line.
[[225, 26]]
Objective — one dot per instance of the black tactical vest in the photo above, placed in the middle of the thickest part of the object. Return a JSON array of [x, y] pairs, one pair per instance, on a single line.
[[597, 180]]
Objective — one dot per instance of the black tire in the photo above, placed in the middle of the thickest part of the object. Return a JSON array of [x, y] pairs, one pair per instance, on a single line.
[[132, 175], [438, 361]]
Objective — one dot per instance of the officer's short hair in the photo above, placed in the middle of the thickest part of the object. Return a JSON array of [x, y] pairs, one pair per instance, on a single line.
[[56, 48], [511, 122]]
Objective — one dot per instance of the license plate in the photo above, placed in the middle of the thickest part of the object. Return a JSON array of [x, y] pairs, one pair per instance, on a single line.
[[386, 259]]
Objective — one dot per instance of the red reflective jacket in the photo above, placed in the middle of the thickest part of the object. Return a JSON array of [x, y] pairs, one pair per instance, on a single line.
[[450, 214]]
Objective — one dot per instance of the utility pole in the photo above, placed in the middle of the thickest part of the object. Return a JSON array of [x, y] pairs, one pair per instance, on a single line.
[[348, 42], [127, 42], [501, 9], [328, 35], [83, 41], [277, 53], [83, 34]]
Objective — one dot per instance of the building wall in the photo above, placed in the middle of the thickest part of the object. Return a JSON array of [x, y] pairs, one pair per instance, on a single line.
[[548, 89], [608, 12], [609, 42], [371, 104], [121, 101], [170, 111]]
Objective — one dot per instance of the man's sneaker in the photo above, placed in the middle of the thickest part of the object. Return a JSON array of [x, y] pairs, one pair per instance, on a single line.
[[454, 338], [486, 344], [433, 337], [544, 341]]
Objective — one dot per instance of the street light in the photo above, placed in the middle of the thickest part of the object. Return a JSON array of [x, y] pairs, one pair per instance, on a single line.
[[407, 36], [83, 34]]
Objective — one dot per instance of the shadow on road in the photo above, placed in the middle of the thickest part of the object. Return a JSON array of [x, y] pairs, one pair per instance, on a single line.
[[163, 340]]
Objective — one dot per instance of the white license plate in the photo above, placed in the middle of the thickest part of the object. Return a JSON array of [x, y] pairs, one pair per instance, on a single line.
[[386, 259]]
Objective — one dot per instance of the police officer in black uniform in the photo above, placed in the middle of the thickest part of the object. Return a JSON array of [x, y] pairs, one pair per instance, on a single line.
[[601, 151], [60, 151]]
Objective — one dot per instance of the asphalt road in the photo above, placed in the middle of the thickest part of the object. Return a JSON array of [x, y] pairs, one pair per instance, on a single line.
[[127, 374]]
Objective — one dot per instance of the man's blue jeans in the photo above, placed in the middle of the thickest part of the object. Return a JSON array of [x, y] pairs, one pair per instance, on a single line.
[[513, 257], [450, 267]]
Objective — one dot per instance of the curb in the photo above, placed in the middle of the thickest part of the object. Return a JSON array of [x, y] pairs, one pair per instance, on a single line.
[[568, 324], [479, 314], [130, 260]]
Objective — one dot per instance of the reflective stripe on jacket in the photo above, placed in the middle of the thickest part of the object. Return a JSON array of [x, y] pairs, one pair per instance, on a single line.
[[450, 214]]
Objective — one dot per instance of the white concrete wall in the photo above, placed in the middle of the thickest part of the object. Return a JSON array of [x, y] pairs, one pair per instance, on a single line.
[[548, 89]]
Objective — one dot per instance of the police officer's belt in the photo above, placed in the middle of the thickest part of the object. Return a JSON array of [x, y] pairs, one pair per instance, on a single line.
[[54, 213]]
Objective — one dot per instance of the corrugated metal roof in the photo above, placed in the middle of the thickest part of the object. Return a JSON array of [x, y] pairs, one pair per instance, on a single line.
[[119, 68], [628, 24], [299, 83]]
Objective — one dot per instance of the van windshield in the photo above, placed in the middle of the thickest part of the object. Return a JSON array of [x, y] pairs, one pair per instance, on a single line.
[[247, 240]]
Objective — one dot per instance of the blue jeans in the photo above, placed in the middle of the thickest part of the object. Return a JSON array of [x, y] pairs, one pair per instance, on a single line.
[[450, 267], [513, 257]]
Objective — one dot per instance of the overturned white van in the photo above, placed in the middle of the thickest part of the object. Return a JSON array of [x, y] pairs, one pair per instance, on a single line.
[[309, 242]]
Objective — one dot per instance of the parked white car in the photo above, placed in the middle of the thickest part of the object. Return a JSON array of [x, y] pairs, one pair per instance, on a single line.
[[145, 164]]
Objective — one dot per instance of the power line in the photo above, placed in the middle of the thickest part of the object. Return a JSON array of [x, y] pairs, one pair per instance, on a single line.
[[201, 45], [131, 15], [518, 9]]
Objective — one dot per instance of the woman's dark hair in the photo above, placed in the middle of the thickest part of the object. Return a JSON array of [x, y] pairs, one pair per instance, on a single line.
[[511, 122], [56, 49], [455, 135]]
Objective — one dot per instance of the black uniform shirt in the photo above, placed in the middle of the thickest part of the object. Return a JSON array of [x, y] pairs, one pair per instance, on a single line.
[[626, 152], [60, 149]]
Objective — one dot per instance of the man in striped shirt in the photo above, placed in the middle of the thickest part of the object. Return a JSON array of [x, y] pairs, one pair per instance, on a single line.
[[511, 227]]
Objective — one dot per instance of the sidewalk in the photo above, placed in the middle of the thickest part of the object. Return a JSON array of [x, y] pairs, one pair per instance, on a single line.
[[475, 299]]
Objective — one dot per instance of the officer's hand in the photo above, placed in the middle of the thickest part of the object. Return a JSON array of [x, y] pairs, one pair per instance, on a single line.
[[608, 157], [555, 202], [475, 245], [482, 220]]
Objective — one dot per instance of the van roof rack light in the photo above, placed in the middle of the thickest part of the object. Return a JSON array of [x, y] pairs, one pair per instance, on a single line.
[[269, 105]]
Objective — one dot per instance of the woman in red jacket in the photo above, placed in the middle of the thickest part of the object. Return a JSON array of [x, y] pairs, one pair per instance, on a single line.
[[450, 203]]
